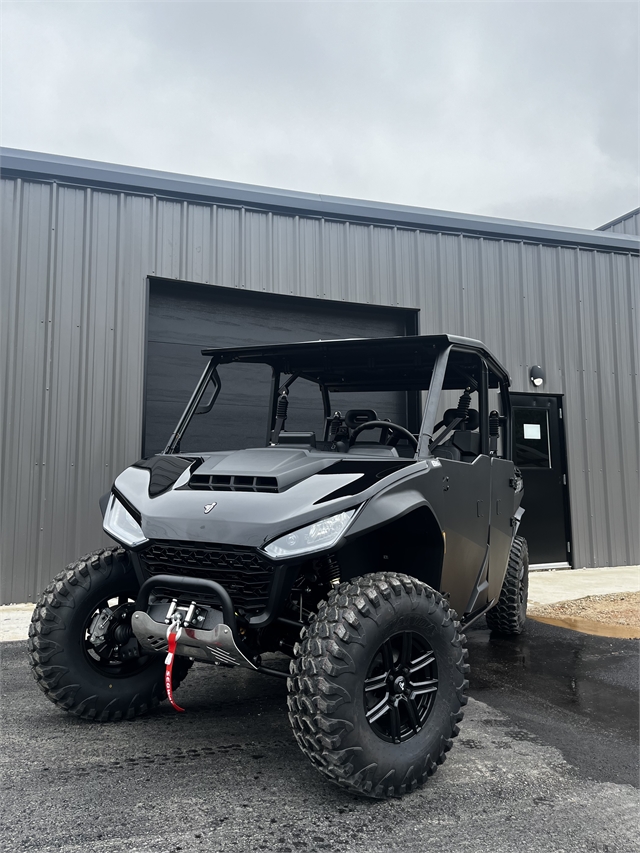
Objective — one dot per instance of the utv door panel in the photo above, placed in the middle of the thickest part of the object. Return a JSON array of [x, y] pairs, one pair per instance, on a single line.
[[461, 493], [502, 504]]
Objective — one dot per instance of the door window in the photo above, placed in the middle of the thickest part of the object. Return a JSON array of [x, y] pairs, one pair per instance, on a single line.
[[459, 407], [531, 438]]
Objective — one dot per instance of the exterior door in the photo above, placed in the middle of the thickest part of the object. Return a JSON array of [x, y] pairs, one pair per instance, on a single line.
[[539, 451]]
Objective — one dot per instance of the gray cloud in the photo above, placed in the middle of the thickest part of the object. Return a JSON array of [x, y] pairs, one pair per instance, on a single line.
[[519, 109]]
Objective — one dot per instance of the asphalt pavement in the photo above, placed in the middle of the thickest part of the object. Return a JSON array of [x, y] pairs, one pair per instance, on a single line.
[[547, 762]]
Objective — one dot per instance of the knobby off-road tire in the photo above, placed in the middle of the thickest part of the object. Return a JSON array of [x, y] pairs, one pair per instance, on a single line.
[[328, 705], [510, 613], [60, 657]]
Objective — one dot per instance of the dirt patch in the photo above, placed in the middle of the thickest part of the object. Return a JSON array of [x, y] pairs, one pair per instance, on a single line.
[[618, 608]]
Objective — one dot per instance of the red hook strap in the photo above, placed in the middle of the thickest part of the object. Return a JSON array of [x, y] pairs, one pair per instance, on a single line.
[[172, 640]]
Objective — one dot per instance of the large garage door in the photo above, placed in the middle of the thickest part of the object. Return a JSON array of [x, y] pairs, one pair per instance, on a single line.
[[184, 318]]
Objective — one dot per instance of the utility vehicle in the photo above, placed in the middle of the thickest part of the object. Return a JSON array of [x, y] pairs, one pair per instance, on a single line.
[[375, 523]]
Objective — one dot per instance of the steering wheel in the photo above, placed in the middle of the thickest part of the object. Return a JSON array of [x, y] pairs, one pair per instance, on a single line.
[[383, 425]]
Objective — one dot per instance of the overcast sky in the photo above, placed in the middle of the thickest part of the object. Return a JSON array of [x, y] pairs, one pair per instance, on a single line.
[[525, 110]]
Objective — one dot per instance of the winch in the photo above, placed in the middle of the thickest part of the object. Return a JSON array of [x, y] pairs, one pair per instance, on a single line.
[[215, 643]]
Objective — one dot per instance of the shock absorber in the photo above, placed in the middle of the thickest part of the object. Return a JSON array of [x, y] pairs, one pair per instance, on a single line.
[[333, 570], [281, 415], [494, 432], [464, 404], [334, 426], [338, 433]]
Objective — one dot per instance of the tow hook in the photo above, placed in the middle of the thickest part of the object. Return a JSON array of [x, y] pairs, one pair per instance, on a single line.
[[173, 635]]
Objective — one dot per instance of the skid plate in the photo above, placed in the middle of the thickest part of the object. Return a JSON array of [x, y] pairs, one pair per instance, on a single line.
[[215, 646]]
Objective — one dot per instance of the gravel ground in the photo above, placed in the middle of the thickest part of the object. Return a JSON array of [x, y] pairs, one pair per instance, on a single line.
[[618, 608], [227, 776]]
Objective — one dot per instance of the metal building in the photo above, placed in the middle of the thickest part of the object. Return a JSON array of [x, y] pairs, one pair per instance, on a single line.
[[627, 224], [112, 276]]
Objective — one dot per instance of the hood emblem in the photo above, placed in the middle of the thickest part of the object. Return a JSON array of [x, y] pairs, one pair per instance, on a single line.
[[209, 507]]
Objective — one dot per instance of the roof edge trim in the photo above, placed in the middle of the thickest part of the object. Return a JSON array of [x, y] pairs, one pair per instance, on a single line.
[[620, 219], [39, 166]]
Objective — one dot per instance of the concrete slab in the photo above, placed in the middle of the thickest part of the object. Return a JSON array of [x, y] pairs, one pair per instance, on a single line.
[[569, 584], [14, 622]]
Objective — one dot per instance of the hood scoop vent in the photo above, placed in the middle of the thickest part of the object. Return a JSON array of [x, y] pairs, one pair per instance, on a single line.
[[165, 471], [230, 483]]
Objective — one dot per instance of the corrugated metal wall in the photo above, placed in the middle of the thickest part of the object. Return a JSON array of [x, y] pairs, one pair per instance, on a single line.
[[74, 266], [629, 224]]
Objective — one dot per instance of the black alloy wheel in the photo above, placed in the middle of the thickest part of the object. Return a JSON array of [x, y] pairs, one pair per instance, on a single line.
[[400, 687]]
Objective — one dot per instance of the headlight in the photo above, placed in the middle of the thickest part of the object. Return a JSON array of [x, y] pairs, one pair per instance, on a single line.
[[317, 536], [121, 525]]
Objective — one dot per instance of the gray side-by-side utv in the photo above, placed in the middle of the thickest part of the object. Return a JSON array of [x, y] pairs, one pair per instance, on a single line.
[[377, 520]]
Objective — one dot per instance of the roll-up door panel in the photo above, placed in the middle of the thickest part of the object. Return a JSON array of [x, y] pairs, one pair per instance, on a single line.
[[184, 318]]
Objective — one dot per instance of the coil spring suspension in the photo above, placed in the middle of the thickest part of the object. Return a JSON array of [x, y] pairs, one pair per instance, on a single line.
[[333, 570], [464, 404], [494, 431], [283, 405], [281, 415], [334, 426]]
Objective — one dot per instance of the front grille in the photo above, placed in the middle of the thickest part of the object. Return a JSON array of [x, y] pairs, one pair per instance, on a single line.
[[228, 483], [243, 572]]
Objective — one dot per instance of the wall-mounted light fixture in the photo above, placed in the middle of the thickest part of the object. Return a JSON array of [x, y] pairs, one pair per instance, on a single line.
[[536, 375]]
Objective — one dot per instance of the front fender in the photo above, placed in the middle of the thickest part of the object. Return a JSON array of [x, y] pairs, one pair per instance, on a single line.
[[389, 506], [396, 531], [103, 503]]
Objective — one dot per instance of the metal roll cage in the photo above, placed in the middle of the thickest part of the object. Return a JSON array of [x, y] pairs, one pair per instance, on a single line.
[[425, 435]]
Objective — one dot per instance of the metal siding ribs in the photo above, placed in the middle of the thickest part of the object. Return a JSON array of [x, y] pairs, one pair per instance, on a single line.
[[74, 267]]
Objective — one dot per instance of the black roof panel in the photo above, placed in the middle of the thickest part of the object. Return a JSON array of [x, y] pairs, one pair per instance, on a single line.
[[368, 363]]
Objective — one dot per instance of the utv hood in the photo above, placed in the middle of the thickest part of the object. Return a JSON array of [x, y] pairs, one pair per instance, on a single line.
[[248, 497]]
